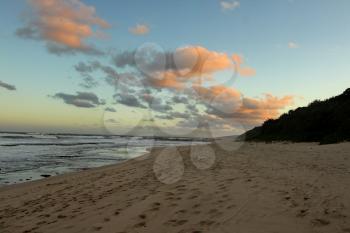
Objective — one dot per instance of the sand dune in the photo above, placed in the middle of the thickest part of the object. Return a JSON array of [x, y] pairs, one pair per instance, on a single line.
[[257, 188]]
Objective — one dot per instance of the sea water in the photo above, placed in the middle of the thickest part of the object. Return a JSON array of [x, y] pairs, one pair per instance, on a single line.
[[27, 156]]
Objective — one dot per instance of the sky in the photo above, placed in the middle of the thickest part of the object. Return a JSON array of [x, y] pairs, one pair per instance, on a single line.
[[184, 68]]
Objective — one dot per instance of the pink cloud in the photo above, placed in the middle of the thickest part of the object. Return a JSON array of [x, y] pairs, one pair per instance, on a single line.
[[64, 25]]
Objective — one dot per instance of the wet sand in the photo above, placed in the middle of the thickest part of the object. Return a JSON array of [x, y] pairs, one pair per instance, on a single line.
[[278, 187]]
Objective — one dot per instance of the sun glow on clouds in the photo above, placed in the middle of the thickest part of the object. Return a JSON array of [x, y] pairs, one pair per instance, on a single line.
[[173, 86], [173, 70], [178, 87], [63, 24]]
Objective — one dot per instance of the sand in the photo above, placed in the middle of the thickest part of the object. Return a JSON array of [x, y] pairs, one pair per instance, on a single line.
[[278, 187]]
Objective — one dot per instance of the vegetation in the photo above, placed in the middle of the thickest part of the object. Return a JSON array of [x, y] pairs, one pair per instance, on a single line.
[[325, 121]]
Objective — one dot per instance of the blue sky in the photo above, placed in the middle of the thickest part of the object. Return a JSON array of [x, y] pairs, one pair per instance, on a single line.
[[298, 48]]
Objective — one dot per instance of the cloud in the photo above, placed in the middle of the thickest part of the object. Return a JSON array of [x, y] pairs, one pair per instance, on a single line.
[[293, 45], [219, 100], [220, 107], [64, 25], [242, 71], [159, 106], [139, 29], [110, 109], [179, 87], [129, 100], [269, 102], [7, 86], [81, 99], [166, 80], [175, 69], [85, 71], [175, 115], [223, 92], [254, 111], [113, 121], [179, 99], [229, 5], [152, 60], [125, 81], [128, 86], [224, 102]]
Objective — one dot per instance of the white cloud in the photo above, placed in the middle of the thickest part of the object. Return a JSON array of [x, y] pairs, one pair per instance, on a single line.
[[229, 5], [293, 45]]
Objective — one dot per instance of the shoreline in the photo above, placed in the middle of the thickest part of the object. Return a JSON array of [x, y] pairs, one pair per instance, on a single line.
[[73, 173], [296, 187], [53, 164]]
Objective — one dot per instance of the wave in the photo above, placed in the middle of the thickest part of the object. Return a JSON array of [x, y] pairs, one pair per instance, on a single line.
[[28, 137], [57, 144], [16, 137]]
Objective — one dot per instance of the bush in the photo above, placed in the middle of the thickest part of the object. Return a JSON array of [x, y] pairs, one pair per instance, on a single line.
[[325, 121]]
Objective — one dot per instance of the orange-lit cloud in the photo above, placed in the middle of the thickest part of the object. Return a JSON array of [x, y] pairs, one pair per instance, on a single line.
[[255, 111], [269, 102], [63, 24], [242, 71], [139, 29], [219, 92], [184, 67], [228, 103], [208, 62], [193, 64], [167, 80], [175, 75]]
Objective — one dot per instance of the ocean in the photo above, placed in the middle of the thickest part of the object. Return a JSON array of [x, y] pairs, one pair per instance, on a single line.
[[28, 156]]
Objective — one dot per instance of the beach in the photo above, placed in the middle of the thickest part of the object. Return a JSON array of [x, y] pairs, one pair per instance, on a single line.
[[227, 187]]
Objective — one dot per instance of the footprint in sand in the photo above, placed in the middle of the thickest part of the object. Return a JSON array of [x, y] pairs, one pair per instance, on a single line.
[[140, 224], [175, 222], [302, 213], [41, 223], [192, 197], [230, 207], [196, 206], [169, 166], [206, 223], [320, 222], [181, 212], [97, 228], [203, 157], [156, 204]]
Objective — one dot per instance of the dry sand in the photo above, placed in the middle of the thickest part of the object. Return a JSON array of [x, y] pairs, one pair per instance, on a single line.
[[258, 188]]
